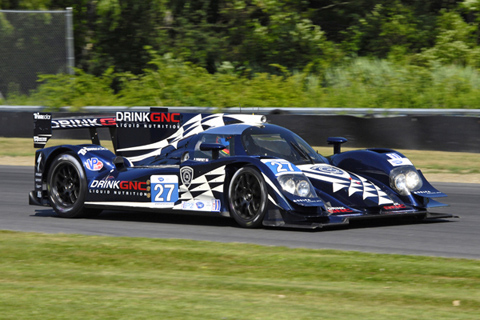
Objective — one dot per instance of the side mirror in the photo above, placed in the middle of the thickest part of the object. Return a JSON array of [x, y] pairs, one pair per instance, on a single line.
[[337, 142], [214, 147]]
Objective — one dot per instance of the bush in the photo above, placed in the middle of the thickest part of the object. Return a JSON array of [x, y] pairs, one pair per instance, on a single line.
[[358, 83], [76, 91]]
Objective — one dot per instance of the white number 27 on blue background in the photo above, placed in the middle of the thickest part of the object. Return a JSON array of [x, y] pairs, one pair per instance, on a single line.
[[164, 190], [280, 166]]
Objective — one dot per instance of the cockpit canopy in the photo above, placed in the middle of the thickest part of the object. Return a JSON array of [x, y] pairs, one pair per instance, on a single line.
[[275, 141], [266, 140]]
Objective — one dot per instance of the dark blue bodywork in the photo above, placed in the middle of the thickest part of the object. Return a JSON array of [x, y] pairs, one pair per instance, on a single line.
[[190, 169]]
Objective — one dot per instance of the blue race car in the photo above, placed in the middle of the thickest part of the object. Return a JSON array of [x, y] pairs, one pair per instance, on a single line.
[[231, 165]]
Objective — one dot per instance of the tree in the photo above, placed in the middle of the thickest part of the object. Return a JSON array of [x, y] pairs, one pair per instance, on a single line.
[[121, 31], [252, 34], [29, 44], [455, 42]]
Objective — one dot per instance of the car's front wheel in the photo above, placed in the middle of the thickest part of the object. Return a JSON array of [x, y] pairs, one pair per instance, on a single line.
[[247, 197], [67, 187]]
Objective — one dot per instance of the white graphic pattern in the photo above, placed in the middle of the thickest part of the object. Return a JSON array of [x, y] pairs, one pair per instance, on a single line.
[[193, 126], [341, 179], [202, 187]]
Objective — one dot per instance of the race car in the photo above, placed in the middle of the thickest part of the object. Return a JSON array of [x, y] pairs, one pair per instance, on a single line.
[[233, 165]]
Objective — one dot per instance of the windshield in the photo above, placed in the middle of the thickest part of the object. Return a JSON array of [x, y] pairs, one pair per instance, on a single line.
[[274, 141]]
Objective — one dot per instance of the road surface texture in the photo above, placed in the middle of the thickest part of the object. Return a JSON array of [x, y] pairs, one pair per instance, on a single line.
[[446, 238]]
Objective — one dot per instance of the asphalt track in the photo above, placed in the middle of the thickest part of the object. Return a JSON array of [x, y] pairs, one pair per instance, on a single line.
[[447, 238]]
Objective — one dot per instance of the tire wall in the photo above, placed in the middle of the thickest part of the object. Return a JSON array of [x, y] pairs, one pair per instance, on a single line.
[[441, 133]]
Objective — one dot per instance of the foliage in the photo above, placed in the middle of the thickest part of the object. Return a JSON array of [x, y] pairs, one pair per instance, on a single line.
[[389, 53], [357, 83], [454, 44], [75, 91], [29, 41], [174, 83], [388, 29], [382, 84], [251, 34], [122, 30], [279, 33]]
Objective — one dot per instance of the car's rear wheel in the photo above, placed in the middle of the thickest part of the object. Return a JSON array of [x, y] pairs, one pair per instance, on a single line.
[[67, 186], [247, 197]]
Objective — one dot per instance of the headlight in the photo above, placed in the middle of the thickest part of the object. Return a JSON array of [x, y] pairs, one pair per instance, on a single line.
[[303, 188], [412, 180], [296, 184], [400, 182], [405, 180], [288, 185]]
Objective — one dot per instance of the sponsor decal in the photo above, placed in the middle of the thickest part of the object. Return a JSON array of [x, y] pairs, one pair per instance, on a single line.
[[397, 160], [108, 121], [42, 116], [350, 215], [394, 156], [164, 120], [128, 116], [82, 123], [198, 205], [395, 206], [93, 164], [307, 200], [216, 205], [120, 188], [339, 210], [328, 169], [39, 162], [120, 185], [427, 192], [164, 190], [40, 139], [186, 174], [188, 205], [84, 150]]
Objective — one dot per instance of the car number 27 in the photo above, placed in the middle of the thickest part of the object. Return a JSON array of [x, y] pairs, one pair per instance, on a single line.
[[164, 190], [280, 166]]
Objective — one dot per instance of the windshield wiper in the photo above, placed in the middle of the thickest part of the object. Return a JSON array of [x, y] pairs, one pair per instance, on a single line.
[[302, 152]]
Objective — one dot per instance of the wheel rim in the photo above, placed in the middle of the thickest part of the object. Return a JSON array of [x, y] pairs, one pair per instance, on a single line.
[[66, 185], [247, 196]]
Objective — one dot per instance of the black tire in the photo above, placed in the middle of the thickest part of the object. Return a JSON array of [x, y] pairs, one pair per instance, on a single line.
[[247, 197], [67, 186]]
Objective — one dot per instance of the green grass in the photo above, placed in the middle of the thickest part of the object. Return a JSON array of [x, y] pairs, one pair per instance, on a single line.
[[23, 147], [92, 277]]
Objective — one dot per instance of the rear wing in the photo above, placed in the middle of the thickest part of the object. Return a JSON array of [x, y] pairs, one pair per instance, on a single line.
[[44, 124], [139, 134], [124, 127]]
